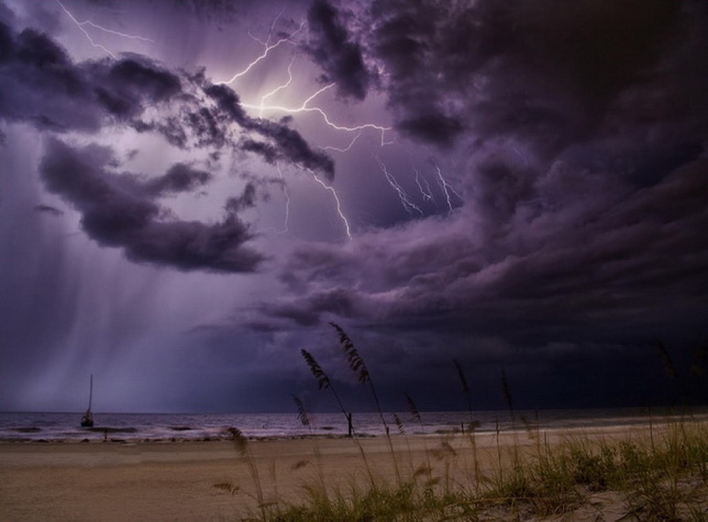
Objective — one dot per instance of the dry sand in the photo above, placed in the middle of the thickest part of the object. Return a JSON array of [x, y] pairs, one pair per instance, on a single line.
[[116, 481]]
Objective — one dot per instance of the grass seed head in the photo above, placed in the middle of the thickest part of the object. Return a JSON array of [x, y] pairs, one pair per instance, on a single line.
[[319, 374], [356, 363], [461, 375], [301, 412]]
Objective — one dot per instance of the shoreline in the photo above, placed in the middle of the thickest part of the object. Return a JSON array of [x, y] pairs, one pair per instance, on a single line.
[[112, 435], [210, 480], [27, 426]]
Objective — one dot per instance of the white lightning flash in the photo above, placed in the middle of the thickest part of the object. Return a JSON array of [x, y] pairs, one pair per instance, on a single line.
[[89, 23], [261, 107], [304, 108], [425, 192], [345, 149], [270, 32], [336, 200], [278, 88], [405, 201], [526, 161], [445, 186], [267, 48]]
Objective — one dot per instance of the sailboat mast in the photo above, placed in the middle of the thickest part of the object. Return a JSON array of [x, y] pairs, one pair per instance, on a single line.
[[87, 419], [90, 392]]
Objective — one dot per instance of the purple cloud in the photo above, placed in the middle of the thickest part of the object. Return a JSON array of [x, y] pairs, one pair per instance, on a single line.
[[125, 215]]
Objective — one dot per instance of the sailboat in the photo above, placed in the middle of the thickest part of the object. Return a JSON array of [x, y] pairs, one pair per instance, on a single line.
[[87, 419]]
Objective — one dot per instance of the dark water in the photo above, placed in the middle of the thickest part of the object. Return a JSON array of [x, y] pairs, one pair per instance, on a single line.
[[142, 426]]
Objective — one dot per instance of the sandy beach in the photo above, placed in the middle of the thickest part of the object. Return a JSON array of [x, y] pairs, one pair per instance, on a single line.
[[116, 481]]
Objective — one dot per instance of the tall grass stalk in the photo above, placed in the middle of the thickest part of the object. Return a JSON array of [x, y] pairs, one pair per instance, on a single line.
[[659, 475], [358, 366], [402, 431], [472, 424], [415, 412], [304, 419], [667, 481], [506, 394], [242, 449], [324, 382]]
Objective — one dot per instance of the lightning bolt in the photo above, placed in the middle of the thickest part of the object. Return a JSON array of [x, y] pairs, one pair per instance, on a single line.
[[304, 108], [526, 161], [267, 48], [347, 148], [405, 201], [425, 192], [278, 88], [89, 23], [445, 186], [270, 33], [336, 200]]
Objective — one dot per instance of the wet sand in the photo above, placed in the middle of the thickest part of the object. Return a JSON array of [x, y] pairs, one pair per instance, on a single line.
[[117, 481]]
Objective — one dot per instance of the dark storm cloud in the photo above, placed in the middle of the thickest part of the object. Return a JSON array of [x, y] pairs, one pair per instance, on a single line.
[[117, 213], [48, 209], [577, 226], [6, 40], [284, 142], [45, 88], [291, 145], [574, 136], [207, 11], [178, 178], [582, 176], [332, 48], [339, 301], [267, 151], [195, 121], [41, 85], [438, 129], [126, 86], [569, 258], [542, 73]]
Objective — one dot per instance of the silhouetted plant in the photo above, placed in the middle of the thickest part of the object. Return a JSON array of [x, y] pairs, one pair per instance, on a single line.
[[472, 424], [324, 382], [358, 366], [666, 358], [356, 363], [700, 354], [241, 443], [461, 376], [302, 415], [506, 393], [304, 419], [399, 424], [415, 412]]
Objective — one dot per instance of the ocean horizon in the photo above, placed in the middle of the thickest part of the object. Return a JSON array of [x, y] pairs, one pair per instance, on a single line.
[[53, 426]]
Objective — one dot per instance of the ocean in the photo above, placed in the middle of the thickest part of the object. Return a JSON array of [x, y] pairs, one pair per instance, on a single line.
[[17, 426]]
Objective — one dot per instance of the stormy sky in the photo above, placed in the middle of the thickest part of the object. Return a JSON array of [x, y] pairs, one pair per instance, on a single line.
[[192, 191]]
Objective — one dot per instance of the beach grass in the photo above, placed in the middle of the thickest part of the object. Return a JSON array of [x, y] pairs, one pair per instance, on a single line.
[[639, 475], [654, 472]]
